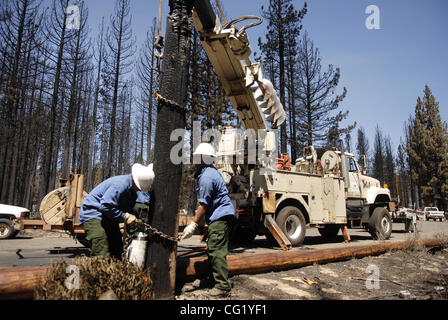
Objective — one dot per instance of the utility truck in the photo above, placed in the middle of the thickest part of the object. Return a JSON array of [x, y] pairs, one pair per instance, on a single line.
[[277, 198]]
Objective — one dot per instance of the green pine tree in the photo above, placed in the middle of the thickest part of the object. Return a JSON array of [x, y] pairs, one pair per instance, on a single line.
[[427, 149]]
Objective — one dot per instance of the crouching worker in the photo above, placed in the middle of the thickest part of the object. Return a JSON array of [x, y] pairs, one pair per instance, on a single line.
[[109, 204], [215, 205]]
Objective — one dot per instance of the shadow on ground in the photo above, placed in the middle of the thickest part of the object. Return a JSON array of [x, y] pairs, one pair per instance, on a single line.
[[72, 251]]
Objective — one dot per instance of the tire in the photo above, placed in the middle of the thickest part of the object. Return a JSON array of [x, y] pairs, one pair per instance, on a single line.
[[380, 224], [6, 229], [292, 222], [330, 231]]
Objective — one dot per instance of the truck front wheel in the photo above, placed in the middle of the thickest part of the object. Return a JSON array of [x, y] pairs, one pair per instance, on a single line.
[[6, 229], [380, 224], [292, 222]]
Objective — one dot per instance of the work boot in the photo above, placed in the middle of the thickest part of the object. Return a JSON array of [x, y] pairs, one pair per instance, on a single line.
[[219, 293], [203, 283], [192, 286]]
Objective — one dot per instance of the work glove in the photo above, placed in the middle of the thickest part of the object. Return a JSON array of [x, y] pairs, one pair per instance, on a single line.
[[130, 219], [139, 225], [189, 230]]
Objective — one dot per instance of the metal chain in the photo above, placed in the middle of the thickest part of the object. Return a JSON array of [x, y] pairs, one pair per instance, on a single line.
[[170, 103], [159, 233], [128, 239]]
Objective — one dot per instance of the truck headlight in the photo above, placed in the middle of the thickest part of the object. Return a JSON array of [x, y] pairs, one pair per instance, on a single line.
[[24, 214]]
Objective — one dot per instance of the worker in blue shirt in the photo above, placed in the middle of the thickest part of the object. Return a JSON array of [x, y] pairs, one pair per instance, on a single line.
[[217, 209], [109, 204]]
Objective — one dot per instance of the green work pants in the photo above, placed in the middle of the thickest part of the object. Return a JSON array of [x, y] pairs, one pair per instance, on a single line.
[[105, 237], [218, 240]]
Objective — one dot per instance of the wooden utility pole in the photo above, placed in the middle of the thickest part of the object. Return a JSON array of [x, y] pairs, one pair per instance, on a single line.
[[171, 115]]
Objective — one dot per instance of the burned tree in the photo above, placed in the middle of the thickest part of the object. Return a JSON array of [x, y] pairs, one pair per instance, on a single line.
[[170, 116], [121, 45]]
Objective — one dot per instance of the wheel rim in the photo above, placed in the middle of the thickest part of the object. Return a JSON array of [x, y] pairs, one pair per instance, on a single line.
[[293, 227], [4, 229], [385, 225]]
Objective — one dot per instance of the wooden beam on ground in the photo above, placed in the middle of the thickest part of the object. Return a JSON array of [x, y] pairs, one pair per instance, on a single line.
[[19, 283], [191, 268]]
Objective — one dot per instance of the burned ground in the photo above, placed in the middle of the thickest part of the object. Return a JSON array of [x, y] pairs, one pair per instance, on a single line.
[[420, 274]]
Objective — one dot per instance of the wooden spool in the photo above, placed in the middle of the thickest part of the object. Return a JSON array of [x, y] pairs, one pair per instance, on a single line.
[[53, 206]]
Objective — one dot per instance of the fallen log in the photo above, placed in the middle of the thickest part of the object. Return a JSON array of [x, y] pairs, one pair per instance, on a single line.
[[19, 283], [189, 269]]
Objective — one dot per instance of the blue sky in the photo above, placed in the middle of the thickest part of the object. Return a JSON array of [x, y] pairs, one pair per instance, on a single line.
[[383, 70]]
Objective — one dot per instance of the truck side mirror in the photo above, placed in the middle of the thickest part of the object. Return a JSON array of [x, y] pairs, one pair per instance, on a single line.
[[364, 164]]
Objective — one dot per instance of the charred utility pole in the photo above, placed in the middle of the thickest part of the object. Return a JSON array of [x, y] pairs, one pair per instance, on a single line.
[[171, 115]]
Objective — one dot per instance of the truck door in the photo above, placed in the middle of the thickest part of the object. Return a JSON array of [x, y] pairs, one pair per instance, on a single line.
[[354, 189]]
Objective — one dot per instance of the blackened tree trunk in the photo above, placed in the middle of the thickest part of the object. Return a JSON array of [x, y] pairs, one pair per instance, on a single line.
[[12, 97], [48, 157], [94, 121], [120, 43], [173, 86]]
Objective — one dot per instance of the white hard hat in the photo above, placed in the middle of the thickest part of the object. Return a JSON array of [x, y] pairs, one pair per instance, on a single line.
[[205, 149], [143, 176]]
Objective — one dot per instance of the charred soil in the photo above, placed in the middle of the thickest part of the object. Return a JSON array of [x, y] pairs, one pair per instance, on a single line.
[[420, 274]]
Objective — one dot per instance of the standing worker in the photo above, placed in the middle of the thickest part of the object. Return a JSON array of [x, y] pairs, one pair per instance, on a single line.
[[110, 203], [215, 205]]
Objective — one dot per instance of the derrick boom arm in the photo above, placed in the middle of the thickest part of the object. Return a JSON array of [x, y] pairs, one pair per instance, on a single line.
[[228, 50]]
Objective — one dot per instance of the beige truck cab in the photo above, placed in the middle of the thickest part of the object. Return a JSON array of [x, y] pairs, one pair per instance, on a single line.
[[368, 203]]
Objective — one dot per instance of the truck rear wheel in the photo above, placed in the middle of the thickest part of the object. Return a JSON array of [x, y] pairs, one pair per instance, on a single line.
[[330, 231], [380, 224], [292, 222]]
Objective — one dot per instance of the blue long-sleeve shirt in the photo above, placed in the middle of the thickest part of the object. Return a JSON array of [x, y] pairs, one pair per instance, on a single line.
[[112, 198], [214, 194]]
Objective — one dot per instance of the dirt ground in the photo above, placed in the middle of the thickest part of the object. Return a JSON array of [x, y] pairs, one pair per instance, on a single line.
[[419, 274]]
